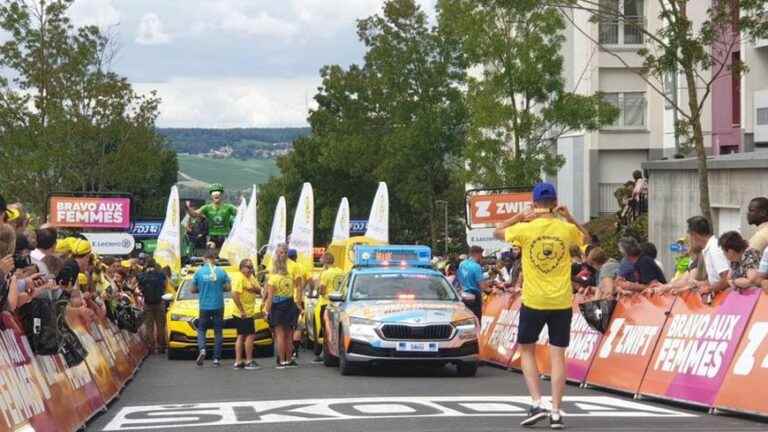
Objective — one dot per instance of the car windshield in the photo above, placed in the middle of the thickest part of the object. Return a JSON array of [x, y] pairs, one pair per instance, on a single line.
[[401, 286], [185, 292]]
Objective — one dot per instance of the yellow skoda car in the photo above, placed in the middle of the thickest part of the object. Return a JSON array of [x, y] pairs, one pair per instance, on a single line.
[[182, 322]]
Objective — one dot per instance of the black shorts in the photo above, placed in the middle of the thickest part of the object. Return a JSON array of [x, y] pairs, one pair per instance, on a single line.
[[245, 326], [217, 240], [284, 314], [532, 321]]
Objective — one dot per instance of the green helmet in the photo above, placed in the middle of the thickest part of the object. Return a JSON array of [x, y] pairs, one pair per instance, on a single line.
[[215, 187]]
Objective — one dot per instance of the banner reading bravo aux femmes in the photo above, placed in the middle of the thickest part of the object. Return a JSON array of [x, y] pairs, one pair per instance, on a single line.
[[626, 349], [747, 377], [697, 345]]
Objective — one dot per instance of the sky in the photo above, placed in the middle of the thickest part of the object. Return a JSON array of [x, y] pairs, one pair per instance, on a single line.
[[230, 63]]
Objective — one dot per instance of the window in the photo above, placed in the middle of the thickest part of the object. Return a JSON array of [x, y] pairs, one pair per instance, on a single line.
[[622, 22], [762, 116], [631, 109]]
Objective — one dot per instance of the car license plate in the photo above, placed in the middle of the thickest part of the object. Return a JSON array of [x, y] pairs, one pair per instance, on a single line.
[[417, 346]]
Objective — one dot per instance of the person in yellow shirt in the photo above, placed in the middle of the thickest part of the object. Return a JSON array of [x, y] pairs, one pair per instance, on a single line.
[[245, 290], [300, 278], [546, 235], [281, 307], [331, 279]]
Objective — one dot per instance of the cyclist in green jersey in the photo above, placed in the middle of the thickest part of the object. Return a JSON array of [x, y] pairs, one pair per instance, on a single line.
[[219, 215]]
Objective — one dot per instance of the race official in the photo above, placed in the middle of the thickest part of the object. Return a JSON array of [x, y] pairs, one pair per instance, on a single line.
[[473, 281], [546, 234], [245, 291], [210, 281]]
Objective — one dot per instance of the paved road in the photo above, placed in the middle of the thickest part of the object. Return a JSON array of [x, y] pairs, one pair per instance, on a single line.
[[179, 396]]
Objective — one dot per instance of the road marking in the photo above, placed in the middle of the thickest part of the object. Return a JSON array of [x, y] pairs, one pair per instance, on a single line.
[[284, 411]]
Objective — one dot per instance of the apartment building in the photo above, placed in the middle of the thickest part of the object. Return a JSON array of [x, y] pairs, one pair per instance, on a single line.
[[598, 162]]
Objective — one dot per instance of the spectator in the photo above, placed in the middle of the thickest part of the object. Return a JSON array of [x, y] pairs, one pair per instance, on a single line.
[[639, 193], [757, 214], [473, 280], [644, 273], [587, 276], [79, 262], [45, 240], [3, 210], [606, 278], [623, 197], [331, 280], [511, 268], [210, 281], [626, 266], [744, 260], [649, 250], [152, 284], [281, 307], [196, 230], [713, 258], [245, 290], [577, 257]]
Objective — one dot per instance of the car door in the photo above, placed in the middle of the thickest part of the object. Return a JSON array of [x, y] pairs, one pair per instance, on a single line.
[[333, 316]]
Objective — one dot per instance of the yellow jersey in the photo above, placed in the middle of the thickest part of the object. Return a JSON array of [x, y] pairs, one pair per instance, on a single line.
[[546, 244], [332, 278], [282, 285], [242, 285]]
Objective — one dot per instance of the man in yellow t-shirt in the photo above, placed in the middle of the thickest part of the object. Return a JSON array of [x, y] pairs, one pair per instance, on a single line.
[[245, 291], [331, 279], [546, 234]]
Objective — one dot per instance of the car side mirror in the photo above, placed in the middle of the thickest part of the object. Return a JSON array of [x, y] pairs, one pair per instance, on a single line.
[[167, 297], [336, 297]]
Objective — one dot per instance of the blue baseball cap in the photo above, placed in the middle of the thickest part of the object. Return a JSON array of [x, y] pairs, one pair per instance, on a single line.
[[544, 192]]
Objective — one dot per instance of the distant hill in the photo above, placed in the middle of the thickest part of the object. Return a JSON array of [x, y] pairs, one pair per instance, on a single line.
[[246, 143], [197, 172]]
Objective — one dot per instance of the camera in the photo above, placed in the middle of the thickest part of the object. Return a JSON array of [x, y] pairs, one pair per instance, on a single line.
[[21, 261]]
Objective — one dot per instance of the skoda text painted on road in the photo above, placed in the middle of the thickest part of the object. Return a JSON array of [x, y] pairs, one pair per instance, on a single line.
[[284, 411]]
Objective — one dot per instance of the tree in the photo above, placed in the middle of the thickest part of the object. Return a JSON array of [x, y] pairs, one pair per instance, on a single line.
[[399, 117], [699, 51], [67, 123], [519, 105]]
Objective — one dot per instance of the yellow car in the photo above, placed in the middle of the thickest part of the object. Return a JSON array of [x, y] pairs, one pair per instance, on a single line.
[[182, 315]]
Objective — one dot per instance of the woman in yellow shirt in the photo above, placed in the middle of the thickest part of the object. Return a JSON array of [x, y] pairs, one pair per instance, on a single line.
[[245, 290], [281, 308]]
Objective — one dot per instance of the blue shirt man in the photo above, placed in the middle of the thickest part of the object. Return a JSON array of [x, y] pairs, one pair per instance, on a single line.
[[210, 282], [472, 279]]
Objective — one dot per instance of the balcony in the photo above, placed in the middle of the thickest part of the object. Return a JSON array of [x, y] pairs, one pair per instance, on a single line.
[[626, 31]]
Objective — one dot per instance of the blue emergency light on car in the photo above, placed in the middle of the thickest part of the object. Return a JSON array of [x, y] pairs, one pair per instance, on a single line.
[[393, 256]]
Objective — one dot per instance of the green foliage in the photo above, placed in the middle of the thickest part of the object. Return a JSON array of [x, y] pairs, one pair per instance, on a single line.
[[399, 117], [609, 240], [67, 123], [519, 104]]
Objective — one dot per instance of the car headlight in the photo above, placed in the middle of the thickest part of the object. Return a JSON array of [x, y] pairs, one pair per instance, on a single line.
[[186, 318], [362, 328], [467, 328]]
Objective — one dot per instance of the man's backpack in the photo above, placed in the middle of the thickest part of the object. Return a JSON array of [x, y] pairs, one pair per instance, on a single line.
[[128, 317]]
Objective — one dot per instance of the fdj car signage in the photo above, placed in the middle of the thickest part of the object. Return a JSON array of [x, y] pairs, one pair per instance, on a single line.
[[146, 229], [358, 227]]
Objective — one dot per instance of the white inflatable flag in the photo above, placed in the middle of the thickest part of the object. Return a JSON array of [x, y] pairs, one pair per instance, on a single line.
[[302, 233], [278, 232], [378, 221], [241, 242], [341, 228], [168, 251]]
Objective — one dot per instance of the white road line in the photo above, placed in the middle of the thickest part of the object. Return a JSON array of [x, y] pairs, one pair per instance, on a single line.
[[216, 414]]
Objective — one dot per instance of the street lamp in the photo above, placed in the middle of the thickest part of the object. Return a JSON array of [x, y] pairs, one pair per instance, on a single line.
[[445, 214]]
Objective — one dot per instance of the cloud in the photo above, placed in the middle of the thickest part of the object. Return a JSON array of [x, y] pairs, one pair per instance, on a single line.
[[151, 32], [235, 102], [240, 17], [101, 13]]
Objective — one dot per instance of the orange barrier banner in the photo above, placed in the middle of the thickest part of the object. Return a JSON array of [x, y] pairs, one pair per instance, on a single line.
[[99, 359], [626, 349], [498, 332], [748, 375], [23, 391], [578, 356], [697, 345]]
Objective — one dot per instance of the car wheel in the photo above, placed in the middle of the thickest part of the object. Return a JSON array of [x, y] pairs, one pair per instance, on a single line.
[[345, 366], [467, 369], [173, 354], [329, 359]]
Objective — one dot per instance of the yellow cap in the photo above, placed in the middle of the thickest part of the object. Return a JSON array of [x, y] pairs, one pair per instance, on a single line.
[[81, 247], [517, 244], [64, 245], [12, 214], [82, 279]]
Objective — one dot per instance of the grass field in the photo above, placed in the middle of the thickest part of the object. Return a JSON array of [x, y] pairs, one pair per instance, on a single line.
[[234, 174]]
